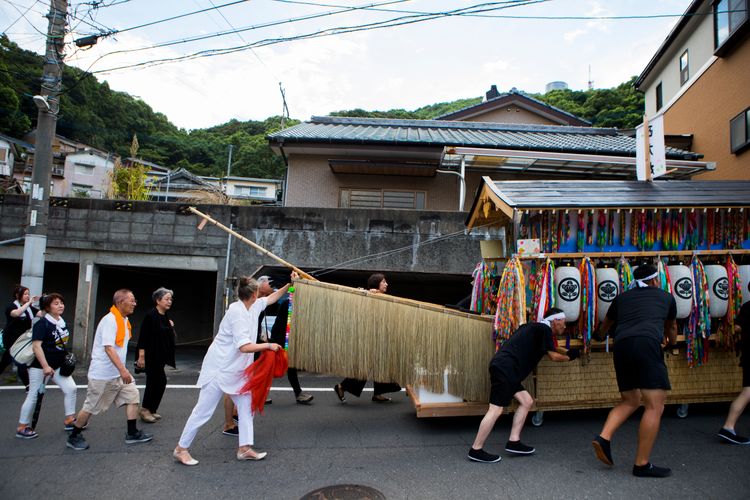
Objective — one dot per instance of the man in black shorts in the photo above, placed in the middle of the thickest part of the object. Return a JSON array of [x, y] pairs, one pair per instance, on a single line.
[[514, 362], [645, 323], [727, 432]]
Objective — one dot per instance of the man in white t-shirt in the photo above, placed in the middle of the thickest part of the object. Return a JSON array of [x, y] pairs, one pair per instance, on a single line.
[[109, 380]]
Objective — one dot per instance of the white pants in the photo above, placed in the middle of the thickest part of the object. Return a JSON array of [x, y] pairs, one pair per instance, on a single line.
[[210, 396], [36, 376]]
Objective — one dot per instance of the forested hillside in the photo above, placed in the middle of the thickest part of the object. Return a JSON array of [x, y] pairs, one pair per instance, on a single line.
[[92, 113], [620, 107]]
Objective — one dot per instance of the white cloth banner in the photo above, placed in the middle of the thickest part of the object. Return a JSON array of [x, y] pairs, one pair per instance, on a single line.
[[657, 150]]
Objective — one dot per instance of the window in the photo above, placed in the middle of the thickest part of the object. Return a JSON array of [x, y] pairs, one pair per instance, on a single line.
[[4, 167], [729, 16], [82, 190], [382, 198], [82, 169], [255, 191], [659, 97], [739, 131], [684, 67]]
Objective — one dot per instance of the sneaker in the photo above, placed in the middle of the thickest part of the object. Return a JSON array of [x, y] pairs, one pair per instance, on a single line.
[[731, 437], [602, 450], [304, 398], [650, 470], [27, 433], [77, 442], [138, 437], [519, 448], [234, 431], [483, 456]]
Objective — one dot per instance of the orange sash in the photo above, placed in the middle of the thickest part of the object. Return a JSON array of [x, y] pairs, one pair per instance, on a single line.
[[122, 325]]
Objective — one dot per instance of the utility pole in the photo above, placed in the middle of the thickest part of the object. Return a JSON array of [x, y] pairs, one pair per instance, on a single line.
[[229, 170], [35, 243]]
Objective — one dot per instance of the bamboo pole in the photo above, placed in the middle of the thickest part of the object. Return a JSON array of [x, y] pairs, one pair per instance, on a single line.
[[259, 248]]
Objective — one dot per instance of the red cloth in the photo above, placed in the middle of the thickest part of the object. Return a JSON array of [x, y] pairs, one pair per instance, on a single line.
[[260, 374]]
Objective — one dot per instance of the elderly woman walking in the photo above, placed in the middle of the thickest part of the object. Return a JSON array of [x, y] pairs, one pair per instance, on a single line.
[[223, 369], [156, 343]]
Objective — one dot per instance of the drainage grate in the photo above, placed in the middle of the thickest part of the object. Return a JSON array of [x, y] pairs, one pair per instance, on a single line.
[[344, 492]]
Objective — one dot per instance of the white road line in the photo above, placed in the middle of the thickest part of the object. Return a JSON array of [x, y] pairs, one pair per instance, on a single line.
[[184, 386]]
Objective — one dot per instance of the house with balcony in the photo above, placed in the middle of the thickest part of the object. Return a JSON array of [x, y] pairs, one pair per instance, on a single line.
[[699, 81], [78, 170]]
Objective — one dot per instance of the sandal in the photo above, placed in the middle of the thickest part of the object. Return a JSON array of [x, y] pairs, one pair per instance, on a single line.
[[251, 454], [26, 433], [183, 456], [379, 398]]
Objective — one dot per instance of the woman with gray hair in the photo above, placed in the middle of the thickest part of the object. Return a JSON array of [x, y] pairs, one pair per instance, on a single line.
[[156, 343]]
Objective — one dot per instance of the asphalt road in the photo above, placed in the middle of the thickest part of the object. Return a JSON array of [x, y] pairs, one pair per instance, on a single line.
[[383, 446]]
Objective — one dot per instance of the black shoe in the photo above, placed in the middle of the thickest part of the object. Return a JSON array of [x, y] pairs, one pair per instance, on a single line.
[[602, 450], [76, 442], [269, 401], [731, 437], [519, 448], [650, 470], [339, 392], [138, 437], [234, 431], [483, 456]]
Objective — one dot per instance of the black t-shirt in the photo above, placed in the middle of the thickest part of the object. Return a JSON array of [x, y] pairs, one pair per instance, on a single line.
[[53, 342], [16, 326], [523, 351], [641, 312], [743, 319]]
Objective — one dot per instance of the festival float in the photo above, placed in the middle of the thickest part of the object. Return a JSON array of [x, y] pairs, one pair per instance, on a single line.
[[574, 244]]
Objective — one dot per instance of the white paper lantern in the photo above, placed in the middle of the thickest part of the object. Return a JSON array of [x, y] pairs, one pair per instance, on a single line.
[[718, 289], [607, 288], [683, 288], [568, 291], [745, 282]]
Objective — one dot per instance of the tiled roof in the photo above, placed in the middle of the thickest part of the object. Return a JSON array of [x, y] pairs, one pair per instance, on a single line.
[[623, 194], [437, 133], [506, 96]]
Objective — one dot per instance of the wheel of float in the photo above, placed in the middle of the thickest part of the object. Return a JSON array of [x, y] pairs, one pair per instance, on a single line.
[[538, 419], [682, 411]]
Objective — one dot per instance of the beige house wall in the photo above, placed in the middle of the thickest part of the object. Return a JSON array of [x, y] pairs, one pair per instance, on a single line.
[[705, 109], [311, 183], [698, 39], [511, 114]]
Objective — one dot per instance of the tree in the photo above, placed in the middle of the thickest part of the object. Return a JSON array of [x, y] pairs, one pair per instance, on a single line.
[[129, 183]]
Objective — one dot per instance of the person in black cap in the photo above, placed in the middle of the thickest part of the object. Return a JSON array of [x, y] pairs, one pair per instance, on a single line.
[[644, 319], [515, 360]]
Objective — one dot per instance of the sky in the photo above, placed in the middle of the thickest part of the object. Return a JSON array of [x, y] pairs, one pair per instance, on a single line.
[[407, 66]]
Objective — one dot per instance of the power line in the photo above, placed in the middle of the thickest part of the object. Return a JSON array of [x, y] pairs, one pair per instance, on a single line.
[[399, 21], [232, 32]]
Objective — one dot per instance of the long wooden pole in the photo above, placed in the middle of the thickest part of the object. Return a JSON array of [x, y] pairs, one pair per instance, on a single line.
[[251, 243]]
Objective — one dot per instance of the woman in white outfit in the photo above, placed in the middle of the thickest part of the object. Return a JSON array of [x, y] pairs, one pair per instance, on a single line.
[[230, 353]]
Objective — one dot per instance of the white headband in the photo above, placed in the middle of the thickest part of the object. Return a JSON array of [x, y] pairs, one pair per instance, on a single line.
[[642, 282], [553, 317]]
